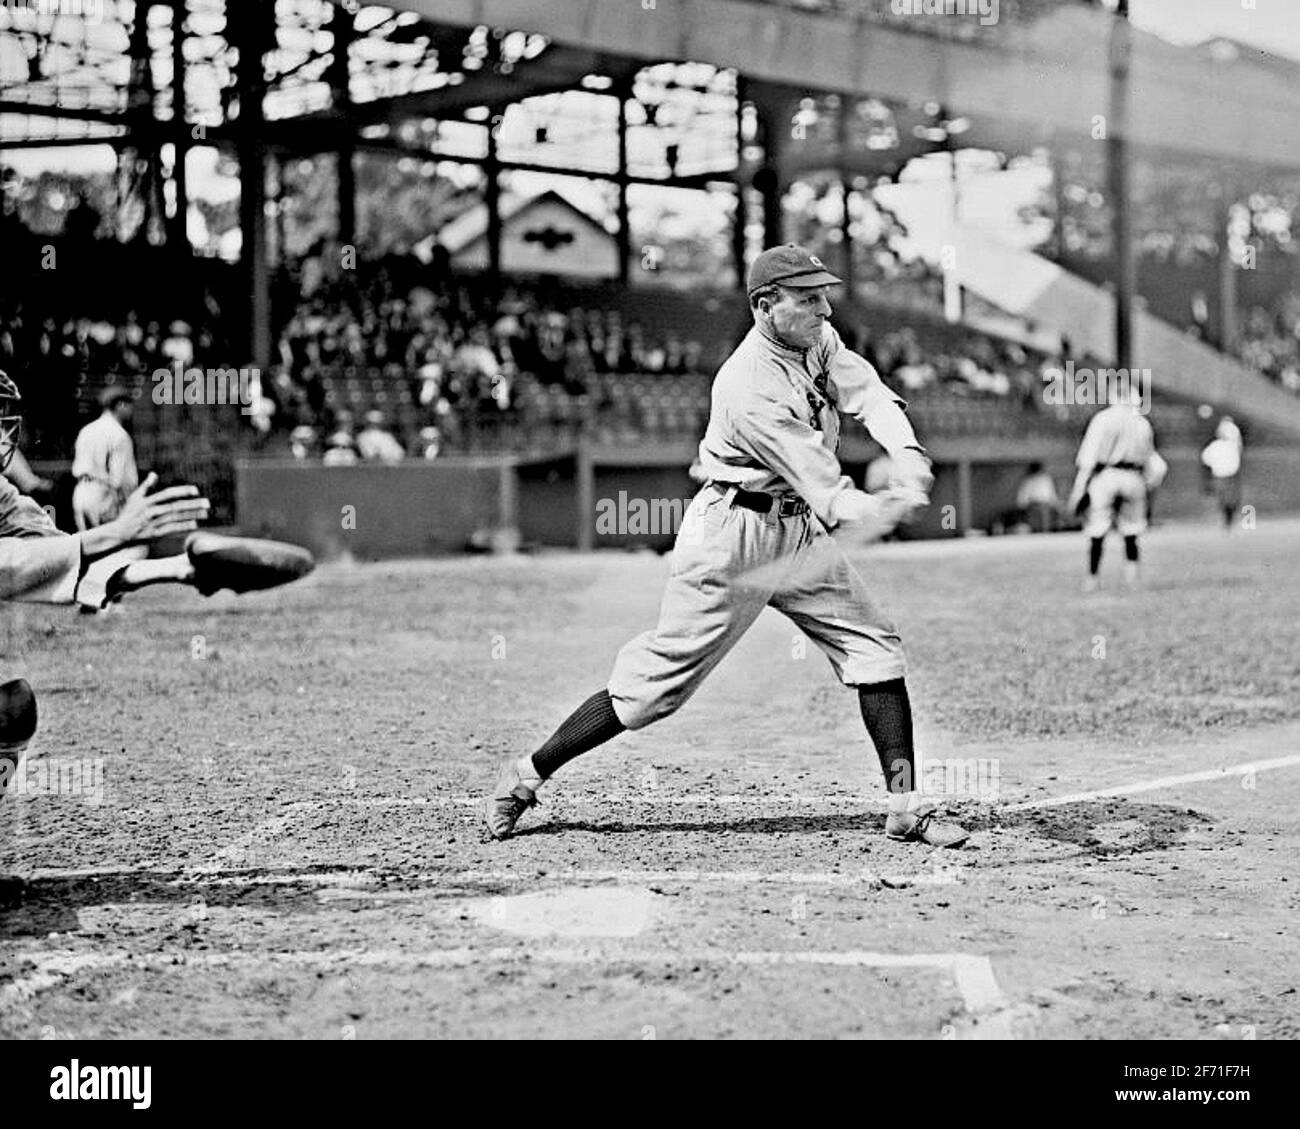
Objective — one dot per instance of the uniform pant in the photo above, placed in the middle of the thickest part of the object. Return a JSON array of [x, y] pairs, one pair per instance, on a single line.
[[94, 504], [706, 608], [1116, 496]]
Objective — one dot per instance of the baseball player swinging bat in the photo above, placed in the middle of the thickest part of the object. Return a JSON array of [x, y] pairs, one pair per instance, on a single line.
[[96, 567], [758, 534]]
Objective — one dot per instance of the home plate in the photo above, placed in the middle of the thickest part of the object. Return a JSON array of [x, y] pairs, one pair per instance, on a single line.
[[572, 911]]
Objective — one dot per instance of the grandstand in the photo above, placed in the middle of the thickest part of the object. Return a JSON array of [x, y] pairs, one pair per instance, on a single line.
[[545, 362]]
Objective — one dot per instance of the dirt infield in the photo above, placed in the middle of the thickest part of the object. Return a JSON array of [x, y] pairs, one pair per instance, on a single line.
[[253, 817]]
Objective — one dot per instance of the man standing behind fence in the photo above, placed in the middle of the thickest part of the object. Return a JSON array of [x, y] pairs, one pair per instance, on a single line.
[[104, 463]]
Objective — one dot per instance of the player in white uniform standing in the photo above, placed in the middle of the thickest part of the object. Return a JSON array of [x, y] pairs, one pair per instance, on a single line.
[[1117, 464], [1222, 461], [773, 489], [104, 462]]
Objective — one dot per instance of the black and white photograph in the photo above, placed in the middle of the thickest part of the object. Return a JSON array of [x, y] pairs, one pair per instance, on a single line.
[[650, 520]]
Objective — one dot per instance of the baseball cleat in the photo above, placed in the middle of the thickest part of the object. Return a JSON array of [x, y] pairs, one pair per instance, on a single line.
[[509, 800], [920, 826]]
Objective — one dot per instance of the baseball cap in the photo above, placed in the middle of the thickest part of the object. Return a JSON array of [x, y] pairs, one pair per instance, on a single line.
[[790, 265], [113, 395]]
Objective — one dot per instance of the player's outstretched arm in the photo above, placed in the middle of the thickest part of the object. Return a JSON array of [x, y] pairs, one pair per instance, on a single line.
[[146, 517], [118, 565]]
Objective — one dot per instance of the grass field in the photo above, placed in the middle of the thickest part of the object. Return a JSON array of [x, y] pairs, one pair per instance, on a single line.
[[254, 817]]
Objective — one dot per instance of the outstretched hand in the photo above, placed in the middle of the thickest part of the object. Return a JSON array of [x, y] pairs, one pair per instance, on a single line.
[[146, 517]]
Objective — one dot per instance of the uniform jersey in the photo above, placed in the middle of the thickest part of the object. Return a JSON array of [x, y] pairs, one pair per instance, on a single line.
[[1117, 434], [1222, 457], [40, 564], [104, 454], [774, 424]]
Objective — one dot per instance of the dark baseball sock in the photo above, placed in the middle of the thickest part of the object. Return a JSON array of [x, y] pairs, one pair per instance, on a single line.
[[1094, 555], [591, 724], [887, 712], [1131, 549]]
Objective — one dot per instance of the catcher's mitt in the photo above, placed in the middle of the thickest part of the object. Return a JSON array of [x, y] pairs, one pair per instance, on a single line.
[[244, 564]]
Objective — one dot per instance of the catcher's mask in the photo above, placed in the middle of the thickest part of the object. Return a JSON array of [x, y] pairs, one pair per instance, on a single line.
[[11, 421]]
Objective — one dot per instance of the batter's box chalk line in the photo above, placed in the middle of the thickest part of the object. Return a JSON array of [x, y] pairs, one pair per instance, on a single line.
[[987, 1014], [1239, 770]]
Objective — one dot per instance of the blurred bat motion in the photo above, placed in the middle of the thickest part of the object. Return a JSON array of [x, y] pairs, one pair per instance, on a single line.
[[820, 556]]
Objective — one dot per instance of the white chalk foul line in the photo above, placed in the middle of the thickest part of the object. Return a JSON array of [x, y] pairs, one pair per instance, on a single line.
[[1162, 782], [972, 975]]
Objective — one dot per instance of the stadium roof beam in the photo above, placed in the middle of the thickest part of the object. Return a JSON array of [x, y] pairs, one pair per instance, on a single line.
[[72, 113], [545, 75], [1051, 73]]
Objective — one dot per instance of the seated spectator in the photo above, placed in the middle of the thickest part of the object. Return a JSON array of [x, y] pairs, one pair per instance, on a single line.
[[302, 441], [178, 348], [430, 442], [339, 450], [375, 443]]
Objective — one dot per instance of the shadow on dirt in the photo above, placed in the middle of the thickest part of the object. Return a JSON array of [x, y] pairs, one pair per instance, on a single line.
[[1099, 827], [40, 906], [871, 822]]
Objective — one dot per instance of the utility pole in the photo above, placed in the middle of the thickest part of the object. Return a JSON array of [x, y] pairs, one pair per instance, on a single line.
[[1117, 181]]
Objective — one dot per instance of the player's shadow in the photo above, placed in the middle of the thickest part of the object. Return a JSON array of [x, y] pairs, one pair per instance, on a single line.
[[41, 906], [852, 822], [1100, 828]]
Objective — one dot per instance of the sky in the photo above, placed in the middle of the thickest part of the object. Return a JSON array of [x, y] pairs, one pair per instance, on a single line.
[[989, 199], [1273, 25]]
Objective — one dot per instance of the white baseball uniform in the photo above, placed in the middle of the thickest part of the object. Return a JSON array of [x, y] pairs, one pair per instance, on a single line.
[[104, 466], [1117, 449], [773, 429]]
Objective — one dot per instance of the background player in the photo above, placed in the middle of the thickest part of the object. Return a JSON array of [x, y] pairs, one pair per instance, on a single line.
[[103, 462], [1222, 461], [1117, 464], [773, 487]]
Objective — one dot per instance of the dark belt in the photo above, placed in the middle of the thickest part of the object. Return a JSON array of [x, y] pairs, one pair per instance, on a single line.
[[1124, 466], [760, 503]]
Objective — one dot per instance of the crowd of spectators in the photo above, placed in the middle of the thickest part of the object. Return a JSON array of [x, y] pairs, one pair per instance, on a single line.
[[973, 364], [433, 363], [395, 367], [1270, 342], [60, 361], [448, 359]]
